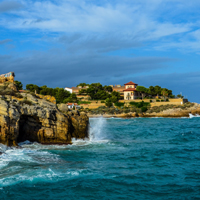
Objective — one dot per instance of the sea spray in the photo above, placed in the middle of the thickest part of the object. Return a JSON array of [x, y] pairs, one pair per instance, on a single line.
[[192, 116], [97, 132]]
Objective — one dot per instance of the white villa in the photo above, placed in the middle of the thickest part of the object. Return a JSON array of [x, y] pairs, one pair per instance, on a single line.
[[130, 92], [68, 89]]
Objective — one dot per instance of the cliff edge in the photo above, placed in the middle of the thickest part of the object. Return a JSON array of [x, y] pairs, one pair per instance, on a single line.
[[38, 120]]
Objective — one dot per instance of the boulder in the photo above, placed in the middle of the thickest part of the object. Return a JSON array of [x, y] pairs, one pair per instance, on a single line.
[[63, 107]]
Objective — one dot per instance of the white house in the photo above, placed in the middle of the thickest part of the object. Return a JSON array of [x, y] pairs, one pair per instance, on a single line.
[[71, 105], [130, 92], [68, 89]]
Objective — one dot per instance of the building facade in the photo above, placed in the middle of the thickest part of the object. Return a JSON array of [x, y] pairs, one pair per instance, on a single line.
[[77, 89], [130, 92], [69, 89]]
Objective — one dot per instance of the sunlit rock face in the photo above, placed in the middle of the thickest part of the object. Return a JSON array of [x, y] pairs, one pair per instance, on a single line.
[[40, 121]]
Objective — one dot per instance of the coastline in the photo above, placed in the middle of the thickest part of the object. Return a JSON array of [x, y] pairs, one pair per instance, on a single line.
[[170, 113]]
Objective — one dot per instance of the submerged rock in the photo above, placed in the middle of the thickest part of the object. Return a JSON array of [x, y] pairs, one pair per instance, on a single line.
[[40, 121]]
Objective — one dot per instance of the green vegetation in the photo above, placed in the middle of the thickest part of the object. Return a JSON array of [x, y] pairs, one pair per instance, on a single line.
[[82, 84], [161, 108], [139, 104], [19, 85], [155, 90], [142, 105], [61, 95], [98, 92], [108, 102], [118, 104]]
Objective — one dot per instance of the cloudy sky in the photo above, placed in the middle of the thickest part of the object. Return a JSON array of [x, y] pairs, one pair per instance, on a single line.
[[60, 43]]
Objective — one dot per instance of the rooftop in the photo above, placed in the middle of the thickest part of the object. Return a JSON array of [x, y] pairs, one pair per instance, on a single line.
[[130, 83]]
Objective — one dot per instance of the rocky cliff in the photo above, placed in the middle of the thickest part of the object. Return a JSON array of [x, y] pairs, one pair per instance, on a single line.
[[35, 119]]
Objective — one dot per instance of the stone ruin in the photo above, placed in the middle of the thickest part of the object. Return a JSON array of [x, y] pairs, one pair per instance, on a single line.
[[9, 77]]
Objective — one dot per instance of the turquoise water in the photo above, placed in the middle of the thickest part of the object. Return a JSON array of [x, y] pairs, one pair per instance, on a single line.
[[139, 158]]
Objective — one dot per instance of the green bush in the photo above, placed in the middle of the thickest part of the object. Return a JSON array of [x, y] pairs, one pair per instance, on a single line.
[[102, 101], [139, 104], [157, 100], [144, 109], [151, 100], [118, 104]]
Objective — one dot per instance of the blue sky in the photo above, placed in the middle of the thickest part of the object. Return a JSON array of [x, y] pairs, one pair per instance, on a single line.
[[60, 43]]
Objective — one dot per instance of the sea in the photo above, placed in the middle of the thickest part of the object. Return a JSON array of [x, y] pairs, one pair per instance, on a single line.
[[137, 158]]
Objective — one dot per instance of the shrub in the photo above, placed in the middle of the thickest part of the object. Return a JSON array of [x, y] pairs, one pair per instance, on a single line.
[[167, 99], [144, 109], [151, 100], [102, 101], [157, 100], [118, 104], [139, 104]]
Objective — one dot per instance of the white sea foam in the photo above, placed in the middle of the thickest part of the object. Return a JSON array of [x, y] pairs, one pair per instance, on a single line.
[[97, 132], [33, 165], [3, 148], [192, 116], [33, 162]]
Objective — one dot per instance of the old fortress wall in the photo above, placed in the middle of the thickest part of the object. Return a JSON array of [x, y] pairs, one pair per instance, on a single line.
[[9, 77]]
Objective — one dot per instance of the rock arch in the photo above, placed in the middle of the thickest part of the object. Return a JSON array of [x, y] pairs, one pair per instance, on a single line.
[[29, 128]]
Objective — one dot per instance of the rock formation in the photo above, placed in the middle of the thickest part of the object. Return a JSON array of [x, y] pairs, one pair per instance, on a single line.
[[38, 120]]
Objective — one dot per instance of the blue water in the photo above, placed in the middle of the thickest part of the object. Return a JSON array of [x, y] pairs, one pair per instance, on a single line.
[[139, 158]]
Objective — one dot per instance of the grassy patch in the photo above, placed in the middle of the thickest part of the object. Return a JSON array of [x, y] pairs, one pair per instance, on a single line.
[[84, 102]]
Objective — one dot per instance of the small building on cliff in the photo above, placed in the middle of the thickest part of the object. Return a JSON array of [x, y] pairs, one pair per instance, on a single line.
[[73, 105], [9, 77]]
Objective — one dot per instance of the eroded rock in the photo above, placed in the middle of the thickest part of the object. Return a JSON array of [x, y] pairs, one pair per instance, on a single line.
[[40, 121]]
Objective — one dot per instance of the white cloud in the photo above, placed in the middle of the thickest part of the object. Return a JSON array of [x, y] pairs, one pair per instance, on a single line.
[[129, 22]]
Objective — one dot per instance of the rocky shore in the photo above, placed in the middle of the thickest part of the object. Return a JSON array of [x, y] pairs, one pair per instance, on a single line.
[[173, 112], [38, 120]]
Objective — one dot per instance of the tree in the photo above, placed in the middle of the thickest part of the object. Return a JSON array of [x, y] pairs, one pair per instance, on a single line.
[[116, 94], [108, 102], [142, 89], [82, 84], [71, 99], [165, 92], [82, 91], [19, 85], [93, 89], [61, 95], [114, 99], [33, 88], [108, 88]]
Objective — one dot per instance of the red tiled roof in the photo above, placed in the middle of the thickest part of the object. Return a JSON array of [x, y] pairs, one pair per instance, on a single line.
[[70, 104], [130, 89], [130, 83]]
